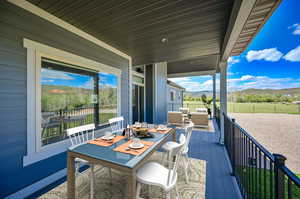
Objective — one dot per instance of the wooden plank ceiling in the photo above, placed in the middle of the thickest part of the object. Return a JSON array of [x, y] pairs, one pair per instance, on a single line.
[[191, 29]]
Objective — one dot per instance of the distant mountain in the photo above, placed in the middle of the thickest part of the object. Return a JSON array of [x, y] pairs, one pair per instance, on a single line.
[[286, 91], [198, 93]]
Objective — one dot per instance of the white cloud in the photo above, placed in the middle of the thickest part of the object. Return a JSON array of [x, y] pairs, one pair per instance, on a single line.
[[293, 55], [232, 60], [261, 82], [296, 28], [52, 74], [180, 79], [270, 54], [247, 77], [88, 84], [47, 80], [241, 83]]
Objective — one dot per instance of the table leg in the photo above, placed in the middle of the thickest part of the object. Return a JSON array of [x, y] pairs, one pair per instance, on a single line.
[[131, 194], [71, 177], [174, 135], [174, 139]]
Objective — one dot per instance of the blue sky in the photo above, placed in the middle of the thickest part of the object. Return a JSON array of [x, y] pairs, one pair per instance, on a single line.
[[53, 77], [272, 60]]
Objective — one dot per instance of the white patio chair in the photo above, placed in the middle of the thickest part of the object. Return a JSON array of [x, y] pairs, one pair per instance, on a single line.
[[168, 147], [78, 136], [81, 135], [116, 124], [153, 173]]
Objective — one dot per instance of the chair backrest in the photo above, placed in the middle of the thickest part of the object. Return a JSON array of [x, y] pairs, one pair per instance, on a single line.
[[80, 135], [184, 110], [116, 124], [175, 117], [188, 134], [177, 152]]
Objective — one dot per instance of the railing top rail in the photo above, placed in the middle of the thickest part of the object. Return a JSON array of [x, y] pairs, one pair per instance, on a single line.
[[292, 176], [253, 140]]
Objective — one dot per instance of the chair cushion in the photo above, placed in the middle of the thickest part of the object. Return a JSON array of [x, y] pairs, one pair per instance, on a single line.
[[153, 173]]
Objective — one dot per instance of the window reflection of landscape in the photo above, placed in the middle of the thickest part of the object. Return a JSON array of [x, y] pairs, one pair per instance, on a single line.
[[108, 93], [70, 97]]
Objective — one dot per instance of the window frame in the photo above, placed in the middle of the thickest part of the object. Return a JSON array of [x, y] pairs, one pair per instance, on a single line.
[[172, 93], [35, 52]]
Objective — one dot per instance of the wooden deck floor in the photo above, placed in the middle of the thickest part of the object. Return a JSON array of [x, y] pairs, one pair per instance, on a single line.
[[219, 183]]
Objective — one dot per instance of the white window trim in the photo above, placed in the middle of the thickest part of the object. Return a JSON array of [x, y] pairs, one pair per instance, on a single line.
[[35, 51]]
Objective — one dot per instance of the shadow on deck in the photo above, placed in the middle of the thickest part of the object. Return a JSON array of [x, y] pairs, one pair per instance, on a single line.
[[219, 183]]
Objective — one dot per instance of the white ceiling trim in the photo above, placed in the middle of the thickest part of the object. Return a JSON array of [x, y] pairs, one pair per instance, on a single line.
[[189, 74], [240, 12]]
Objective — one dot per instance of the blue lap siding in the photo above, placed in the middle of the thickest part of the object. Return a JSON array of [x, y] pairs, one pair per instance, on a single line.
[[16, 24]]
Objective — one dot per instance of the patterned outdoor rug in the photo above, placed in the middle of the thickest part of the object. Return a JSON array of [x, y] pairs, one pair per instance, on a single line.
[[195, 189]]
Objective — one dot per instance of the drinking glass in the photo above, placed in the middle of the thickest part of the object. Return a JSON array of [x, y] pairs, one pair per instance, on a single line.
[[136, 142], [144, 125], [151, 126]]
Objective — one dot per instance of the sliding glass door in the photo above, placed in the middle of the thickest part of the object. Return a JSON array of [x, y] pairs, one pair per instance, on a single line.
[[137, 103]]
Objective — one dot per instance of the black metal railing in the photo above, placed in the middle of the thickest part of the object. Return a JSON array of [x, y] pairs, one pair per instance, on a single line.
[[174, 106], [54, 124], [217, 116], [259, 173]]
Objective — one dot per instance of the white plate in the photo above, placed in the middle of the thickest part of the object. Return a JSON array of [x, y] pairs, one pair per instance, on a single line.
[[136, 147], [162, 129], [107, 137]]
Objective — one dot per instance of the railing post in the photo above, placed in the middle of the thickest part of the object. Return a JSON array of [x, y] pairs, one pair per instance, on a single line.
[[61, 121], [279, 176], [233, 146]]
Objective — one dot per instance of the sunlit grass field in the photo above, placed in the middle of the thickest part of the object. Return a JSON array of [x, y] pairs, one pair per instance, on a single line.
[[251, 107]]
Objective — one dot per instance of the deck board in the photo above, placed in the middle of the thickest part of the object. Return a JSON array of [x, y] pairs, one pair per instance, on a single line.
[[219, 183]]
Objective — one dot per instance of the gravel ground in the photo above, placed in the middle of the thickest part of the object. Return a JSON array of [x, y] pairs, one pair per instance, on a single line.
[[279, 133]]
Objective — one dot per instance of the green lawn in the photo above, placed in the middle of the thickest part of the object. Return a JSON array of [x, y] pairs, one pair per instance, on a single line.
[[262, 179], [252, 107]]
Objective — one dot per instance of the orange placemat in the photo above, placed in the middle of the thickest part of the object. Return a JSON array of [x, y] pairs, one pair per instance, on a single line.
[[102, 142], [122, 148], [156, 131]]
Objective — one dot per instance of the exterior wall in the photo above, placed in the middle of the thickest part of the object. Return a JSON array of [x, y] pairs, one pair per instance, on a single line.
[[17, 24], [160, 92], [178, 98]]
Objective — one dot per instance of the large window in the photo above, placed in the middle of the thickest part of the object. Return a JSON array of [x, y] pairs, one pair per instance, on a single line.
[[72, 96], [65, 90]]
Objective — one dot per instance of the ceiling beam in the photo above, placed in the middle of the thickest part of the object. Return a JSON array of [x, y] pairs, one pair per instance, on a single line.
[[240, 12]]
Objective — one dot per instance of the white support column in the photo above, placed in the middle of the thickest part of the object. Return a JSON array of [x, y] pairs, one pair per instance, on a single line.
[[223, 96], [214, 93]]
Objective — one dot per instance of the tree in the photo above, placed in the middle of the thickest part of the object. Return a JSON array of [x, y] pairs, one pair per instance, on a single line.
[[207, 102]]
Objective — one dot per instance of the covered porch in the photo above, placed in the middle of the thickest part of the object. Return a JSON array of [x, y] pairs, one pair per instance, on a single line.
[[72, 63]]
